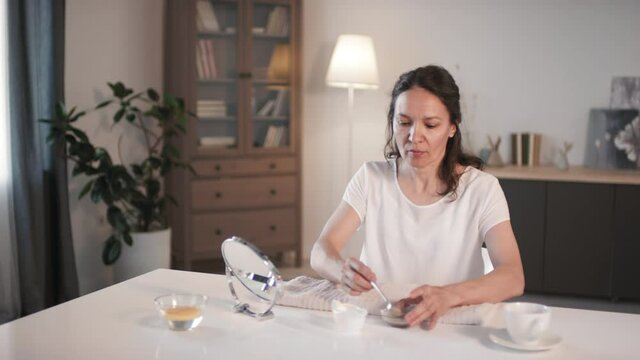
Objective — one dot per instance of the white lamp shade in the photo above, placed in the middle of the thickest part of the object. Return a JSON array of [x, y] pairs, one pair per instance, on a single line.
[[353, 63]]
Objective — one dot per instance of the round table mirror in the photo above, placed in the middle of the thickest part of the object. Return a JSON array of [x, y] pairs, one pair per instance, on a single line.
[[253, 280]]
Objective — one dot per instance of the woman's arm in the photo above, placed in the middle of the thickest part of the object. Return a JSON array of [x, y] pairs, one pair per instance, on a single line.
[[504, 282], [325, 255]]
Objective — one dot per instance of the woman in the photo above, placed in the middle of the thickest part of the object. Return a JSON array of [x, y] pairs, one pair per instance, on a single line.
[[427, 210]]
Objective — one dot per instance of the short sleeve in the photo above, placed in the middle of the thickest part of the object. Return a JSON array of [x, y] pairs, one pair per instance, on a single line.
[[355, 194], [495, 210]]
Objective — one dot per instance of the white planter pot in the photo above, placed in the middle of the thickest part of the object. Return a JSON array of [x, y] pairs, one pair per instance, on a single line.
[[150, 251]]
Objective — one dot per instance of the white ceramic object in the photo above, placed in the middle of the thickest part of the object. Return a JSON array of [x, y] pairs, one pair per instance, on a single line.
[[150, 251], [526, 322], [348, 318], [546, 342]]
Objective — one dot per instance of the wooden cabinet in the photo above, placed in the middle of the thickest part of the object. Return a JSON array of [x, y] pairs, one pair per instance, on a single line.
[[237, 65], [577, 238], [578, 242], [626, 234], [527, 201]]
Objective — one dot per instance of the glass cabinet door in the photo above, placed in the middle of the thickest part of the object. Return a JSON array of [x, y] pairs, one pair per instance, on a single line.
[[270, 62], [217, 65]]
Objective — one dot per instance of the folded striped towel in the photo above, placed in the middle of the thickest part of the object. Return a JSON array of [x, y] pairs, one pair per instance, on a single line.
[[317, 294]]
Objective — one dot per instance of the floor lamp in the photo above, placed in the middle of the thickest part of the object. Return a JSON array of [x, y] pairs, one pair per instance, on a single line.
[[353, 66]]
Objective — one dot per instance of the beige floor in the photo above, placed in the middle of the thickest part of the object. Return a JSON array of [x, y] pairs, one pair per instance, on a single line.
[[599, 304]]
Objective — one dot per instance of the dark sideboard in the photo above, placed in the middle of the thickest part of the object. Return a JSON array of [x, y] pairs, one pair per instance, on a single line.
[[578, 230]]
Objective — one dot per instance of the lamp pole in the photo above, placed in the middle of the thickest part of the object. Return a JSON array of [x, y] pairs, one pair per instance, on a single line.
[[350, 134]]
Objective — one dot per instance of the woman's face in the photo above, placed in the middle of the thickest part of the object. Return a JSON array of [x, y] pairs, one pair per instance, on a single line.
[[421, 127]]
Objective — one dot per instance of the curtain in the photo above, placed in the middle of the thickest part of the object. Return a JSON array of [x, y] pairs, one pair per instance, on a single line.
[[42, 228], [9, 299]]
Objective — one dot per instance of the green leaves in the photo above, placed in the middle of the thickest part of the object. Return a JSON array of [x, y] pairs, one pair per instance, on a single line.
[[116, 219], [111, 250], [118, 116], [133, 193], [153, 95], [85, 189], [119, 90], [103, 104], [61, 112]]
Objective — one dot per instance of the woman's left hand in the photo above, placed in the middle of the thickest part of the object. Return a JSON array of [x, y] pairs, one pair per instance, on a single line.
[[432, 303]]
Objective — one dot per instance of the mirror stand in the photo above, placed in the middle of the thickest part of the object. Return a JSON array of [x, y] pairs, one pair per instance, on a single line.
[[244, 308], [260, 282]]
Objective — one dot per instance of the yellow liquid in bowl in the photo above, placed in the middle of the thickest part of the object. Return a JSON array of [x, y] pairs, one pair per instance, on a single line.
[[182, 313], [183, 317]]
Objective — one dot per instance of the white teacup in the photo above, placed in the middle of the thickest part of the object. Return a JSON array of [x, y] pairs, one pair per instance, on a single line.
[[526, 322]]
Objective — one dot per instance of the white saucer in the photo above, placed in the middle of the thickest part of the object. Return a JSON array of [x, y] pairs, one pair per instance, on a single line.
[[548, 341]]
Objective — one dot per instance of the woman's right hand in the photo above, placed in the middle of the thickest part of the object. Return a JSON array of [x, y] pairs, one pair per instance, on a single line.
[[356, 276]]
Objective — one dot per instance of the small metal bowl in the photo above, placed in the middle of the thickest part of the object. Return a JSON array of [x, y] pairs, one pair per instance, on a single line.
[[395, 315]]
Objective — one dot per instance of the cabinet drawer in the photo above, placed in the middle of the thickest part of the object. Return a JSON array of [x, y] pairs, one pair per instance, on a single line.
[[264, 228], [240, 167], [243, 193]]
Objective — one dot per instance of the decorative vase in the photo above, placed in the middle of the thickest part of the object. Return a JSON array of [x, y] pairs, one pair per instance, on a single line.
[[494, 159], [150, 251], [562, 160]]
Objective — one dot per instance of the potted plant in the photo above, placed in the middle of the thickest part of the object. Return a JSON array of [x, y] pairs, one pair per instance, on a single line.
[[133, 194]]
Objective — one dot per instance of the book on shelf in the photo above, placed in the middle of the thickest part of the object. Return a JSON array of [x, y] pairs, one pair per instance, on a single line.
[[276, 136], [534, 151], [279, 103], [525, 149], [267, 108], [212, 113], [205, 59], [199, 24], [201, 58], [268, 138], [277, 22], [211, 59], [199, 64], [217, 141], [284, 136], [206, 16], [211, 108]]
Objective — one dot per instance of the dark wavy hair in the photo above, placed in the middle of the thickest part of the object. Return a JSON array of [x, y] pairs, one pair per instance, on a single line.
[[439, 82]]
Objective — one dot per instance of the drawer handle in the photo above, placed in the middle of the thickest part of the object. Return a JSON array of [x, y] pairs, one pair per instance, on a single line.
[[273, 192], [272, 166], [272, 227], [218, 232], [217, 167], [218, 195]]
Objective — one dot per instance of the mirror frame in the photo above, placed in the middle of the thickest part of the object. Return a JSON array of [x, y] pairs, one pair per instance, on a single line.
[[274, 279]]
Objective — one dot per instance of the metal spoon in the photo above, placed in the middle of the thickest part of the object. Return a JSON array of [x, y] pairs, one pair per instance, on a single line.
[[391, 314], [386, 299]]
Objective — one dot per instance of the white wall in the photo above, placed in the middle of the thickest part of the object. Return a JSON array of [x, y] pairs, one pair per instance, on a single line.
[[106, 41], [521, 65]]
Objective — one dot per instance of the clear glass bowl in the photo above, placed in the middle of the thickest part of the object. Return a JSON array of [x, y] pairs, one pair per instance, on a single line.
[[348, 318], [181, 311]]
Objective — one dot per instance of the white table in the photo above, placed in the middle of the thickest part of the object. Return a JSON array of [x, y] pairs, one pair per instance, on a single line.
[[120, 322]]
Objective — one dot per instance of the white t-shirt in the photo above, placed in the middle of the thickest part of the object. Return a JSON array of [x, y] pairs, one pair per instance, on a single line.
[[436, 244]]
